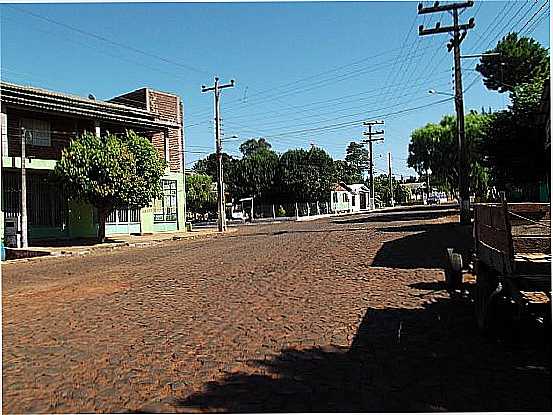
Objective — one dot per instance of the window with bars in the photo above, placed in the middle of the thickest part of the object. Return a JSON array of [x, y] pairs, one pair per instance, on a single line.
[[37, 132], [46, 203], [124, 215], [165, 209]]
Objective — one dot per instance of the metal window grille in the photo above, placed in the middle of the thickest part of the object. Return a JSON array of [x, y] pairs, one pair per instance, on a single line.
[[37, 132], [165, 209]]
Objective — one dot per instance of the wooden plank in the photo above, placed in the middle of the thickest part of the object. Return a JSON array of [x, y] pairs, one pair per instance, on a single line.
[[494, 258]]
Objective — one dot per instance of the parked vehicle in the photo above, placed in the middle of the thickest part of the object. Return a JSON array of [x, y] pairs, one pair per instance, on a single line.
[[512, 263]]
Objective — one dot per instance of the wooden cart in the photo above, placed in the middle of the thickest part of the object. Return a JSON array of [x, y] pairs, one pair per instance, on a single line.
[[512, 262]]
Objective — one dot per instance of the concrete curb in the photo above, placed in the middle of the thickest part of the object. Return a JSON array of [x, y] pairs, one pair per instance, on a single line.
[[41, 253]]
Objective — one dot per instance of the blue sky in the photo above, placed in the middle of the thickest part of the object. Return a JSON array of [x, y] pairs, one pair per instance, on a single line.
[[305, 72]]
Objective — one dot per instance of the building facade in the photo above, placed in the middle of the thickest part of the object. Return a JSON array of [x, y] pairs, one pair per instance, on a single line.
[[349, 198], [51, 120]]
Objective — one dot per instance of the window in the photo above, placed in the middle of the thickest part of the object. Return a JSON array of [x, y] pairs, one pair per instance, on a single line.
[[345, 198], [37, 132], [353, 200], [165, 209], [335, 197]]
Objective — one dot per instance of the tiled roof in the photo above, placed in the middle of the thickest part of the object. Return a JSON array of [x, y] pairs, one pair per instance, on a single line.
[[42, 99]]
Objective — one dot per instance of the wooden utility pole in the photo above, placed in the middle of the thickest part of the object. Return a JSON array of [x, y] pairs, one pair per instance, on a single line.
[[459, 32], [221, 221], [390, 179], [23, 216], [369, 141]]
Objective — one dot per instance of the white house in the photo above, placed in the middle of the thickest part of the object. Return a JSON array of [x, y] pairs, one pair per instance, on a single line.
[[349, 198], [360, 195]]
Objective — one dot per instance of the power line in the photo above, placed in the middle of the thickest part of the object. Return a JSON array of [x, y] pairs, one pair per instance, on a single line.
[[109, 41], [534, 15]]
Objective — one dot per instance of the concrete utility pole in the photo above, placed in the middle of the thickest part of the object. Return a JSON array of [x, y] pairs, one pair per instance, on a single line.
[[24, 241], [221, 222], [369, 141], [390, 178], [459, 33]]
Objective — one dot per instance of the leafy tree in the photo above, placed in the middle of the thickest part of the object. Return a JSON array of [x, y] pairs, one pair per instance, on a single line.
[[111, 172], [208, 166], [346, 172], [251, 146], [255, 174], [201, 196], [521, 60], [357, 156], [434, 147], [382, 190], [514, 145], [305, 175]]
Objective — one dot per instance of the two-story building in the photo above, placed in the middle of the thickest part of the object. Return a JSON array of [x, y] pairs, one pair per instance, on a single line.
[[51, 120]]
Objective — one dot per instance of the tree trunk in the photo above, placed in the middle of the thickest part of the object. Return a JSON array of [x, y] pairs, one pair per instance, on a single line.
[[102, 217]]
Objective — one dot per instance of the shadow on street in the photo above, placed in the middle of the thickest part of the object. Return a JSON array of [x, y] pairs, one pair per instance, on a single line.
[[426, 247], [401, 360], [400, 216]]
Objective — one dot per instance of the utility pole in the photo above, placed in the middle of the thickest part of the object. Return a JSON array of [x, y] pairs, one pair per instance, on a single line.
[[390, 178], [369, 141], [459, 32], [216, 88], [24, 241]]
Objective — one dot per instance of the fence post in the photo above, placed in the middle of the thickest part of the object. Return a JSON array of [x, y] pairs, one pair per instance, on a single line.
[[297, 216], [274, 216]]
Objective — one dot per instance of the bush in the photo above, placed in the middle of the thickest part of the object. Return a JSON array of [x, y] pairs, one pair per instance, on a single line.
[[281, 212]]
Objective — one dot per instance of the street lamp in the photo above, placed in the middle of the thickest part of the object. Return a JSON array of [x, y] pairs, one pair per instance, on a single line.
[[434, 92], [233, 138]]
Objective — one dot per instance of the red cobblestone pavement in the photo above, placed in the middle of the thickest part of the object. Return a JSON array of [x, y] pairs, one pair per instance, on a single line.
[[343, 314]]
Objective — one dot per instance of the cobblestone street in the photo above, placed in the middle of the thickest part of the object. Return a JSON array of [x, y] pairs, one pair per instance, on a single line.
[[339, 314]]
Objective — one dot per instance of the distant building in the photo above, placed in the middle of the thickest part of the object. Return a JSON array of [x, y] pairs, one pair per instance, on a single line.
[[416, 191], [53, 120], [349, 198]]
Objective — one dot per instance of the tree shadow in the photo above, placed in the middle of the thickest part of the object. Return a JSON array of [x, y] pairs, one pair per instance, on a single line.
[[400, 360], [426, 247], [70, 242], [400, 216]]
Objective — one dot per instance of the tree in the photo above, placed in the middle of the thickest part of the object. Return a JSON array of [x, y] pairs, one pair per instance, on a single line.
[[521, 60], [251, 146], [209, 166], [305, 175], [201, 196], [514, 144], [111, 172], [435, 147], [346, 172], [358, 157], [255, 174], [382, 190]]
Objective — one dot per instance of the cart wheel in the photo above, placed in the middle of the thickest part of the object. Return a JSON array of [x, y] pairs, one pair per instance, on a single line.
[[454, 270], [485, 308]]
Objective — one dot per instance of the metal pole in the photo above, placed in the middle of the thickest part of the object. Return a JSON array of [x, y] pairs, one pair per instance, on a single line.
[[24, 241], [464, 192], [297, 210]]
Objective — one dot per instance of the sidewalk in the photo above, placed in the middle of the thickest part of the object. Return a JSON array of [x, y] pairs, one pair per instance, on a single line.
[[58, 248]]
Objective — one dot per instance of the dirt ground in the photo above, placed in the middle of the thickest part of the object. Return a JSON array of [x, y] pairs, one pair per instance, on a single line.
[[340, 314]]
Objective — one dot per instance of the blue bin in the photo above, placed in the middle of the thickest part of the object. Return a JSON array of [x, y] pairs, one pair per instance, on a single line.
[[2, 251]]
